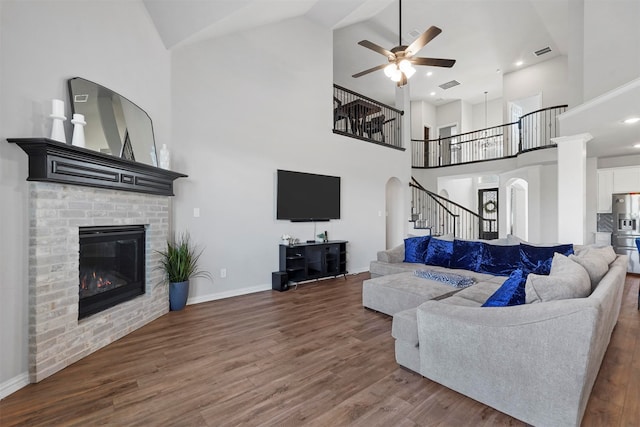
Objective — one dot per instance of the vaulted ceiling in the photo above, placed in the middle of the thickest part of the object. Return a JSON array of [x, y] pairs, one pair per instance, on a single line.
[[485, 37]]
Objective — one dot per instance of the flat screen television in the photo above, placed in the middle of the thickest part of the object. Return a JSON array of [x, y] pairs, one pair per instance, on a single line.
[[307, 197]]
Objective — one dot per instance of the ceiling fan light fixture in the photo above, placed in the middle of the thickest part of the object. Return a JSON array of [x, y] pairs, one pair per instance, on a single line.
[[410, 72], [405, 65], [397, 75], [389, 70]]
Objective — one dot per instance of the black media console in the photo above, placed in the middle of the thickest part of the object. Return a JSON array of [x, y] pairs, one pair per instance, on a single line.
[[308, 261]]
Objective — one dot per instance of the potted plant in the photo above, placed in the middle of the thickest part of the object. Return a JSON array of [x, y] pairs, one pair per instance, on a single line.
[[180, 263]]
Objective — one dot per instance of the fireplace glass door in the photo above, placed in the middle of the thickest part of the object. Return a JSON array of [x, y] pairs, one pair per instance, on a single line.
[[112, 262]]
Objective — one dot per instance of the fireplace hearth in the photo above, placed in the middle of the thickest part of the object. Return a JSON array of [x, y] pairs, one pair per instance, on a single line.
[[111, 266]]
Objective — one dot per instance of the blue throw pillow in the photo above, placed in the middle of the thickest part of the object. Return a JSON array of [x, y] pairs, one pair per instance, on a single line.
[[500, 260], [537, 259], [466, 255], [439, 252], [510, 293], [415, 248]]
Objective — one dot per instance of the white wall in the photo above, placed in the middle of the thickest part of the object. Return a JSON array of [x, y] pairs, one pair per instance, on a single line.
[[449, 114], [611, 45], [460, 190], [542, 202], [238, 116], [43, 44], [549, 78], [466, 117], [422, 114], [494, 114]]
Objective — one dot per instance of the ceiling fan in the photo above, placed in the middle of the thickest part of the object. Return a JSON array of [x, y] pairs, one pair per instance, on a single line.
[[401, 58]]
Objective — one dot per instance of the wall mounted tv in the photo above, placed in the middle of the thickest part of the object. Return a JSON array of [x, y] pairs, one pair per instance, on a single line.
[[307, 197]]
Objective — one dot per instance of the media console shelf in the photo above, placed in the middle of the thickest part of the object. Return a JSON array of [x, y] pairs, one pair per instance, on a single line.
[[308, 261]]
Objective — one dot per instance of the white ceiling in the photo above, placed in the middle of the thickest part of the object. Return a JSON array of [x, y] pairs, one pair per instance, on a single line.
[[485, 37]]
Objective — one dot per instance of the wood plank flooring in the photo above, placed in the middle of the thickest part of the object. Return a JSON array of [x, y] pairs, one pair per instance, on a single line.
[[311, 356]]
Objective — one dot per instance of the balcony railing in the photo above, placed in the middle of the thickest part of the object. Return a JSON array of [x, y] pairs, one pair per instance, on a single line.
[[360, 117], [533, 131]]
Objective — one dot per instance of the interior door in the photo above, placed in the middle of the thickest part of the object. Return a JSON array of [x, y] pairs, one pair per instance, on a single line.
[[488, 209]]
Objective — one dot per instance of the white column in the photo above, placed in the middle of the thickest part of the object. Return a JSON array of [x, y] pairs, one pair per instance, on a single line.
[[572, 187], [403, 102]]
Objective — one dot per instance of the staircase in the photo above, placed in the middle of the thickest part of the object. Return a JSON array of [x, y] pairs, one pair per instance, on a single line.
[[442, 216]]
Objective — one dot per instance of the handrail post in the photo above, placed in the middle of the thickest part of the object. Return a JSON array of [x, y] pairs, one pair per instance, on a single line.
[[520, 134], [426, 153]]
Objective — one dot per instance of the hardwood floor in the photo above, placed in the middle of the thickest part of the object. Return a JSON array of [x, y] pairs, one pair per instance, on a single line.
[[311, 356]]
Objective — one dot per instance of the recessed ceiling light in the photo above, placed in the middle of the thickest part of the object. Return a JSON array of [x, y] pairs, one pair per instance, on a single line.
[[432, 94], [498, 70], [429, 73], [519, 63], [632, 120], [637, 145]]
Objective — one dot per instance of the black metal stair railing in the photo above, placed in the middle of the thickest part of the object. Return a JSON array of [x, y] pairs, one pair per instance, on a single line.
[[533, 131], [358, 116], [442, 216]]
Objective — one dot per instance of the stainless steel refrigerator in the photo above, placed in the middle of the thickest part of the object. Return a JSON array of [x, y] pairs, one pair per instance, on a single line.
[[626, 227]]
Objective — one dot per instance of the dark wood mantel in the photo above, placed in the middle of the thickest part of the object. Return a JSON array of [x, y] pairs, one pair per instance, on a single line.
[[53, 161]]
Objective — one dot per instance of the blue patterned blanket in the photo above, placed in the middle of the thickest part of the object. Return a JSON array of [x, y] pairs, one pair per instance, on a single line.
[[452, 279]]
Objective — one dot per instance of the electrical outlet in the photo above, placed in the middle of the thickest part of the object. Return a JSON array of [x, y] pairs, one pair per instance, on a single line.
[[196, 212], [223, 273]]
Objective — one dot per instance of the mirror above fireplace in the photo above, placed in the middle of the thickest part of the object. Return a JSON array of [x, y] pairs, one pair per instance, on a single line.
[[115, 125]]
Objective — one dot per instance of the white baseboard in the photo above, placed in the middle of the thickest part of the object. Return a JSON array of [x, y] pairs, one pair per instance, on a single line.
[[14, 384], [228, 294], [245, 291]]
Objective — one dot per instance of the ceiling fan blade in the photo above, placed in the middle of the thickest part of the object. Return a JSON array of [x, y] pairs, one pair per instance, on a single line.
[[370, 70], [424, 38], [434, 62], [374, 47]]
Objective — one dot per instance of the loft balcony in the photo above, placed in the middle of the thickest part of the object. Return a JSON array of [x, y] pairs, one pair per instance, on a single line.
[[533, 131], [360, 117]]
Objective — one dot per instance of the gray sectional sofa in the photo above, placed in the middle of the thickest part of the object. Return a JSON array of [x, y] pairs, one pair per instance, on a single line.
[[536, 361]]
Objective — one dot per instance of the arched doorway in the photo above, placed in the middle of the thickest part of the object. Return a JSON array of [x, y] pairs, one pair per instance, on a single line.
[[394, 210], [517, 190]]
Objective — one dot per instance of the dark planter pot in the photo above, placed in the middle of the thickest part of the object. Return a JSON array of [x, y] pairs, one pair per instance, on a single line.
[[178, 294]]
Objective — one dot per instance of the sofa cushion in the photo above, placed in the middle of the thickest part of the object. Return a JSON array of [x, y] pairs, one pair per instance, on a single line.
[[594, 264], [605, 252], [510, 293], [567, 279], [500, 260], [398, 292], [415, 249], [476, 295], [439, 252], [466, 255], [391, 255], [537, 259]]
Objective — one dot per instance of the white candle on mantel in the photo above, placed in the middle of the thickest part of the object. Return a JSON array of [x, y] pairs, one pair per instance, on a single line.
[[57, 107]]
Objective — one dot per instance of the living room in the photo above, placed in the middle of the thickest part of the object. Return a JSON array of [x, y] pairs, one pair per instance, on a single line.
[[232, 110]]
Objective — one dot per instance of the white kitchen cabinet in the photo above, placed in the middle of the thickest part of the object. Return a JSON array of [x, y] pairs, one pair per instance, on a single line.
[[605, 190], [626, 180], [616, 180]]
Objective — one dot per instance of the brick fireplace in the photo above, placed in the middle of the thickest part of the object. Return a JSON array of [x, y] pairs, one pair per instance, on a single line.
[[73, 188], [57, 211]]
